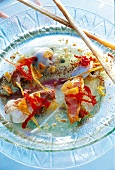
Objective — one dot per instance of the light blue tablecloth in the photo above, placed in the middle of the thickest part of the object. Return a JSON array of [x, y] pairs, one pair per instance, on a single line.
[[106, 161]]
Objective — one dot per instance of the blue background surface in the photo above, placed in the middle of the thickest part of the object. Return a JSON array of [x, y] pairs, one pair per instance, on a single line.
[[105, 162]]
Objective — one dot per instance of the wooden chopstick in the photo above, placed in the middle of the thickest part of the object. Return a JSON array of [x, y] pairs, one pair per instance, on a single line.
[[44, 11], [64, 22], [110, 70], [100, 40]]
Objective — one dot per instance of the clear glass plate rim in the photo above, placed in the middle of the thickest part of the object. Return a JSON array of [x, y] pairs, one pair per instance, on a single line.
[[53, 7], [73, 141]]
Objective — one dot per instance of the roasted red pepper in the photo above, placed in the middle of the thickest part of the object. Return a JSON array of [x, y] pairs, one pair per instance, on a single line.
[[37, 103], [84, 61], [76, 56], [83, 113], [80, 96], [87, 89], [26, 62]]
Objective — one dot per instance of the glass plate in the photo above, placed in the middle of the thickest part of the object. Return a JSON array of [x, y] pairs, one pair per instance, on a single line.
[[66, 146]]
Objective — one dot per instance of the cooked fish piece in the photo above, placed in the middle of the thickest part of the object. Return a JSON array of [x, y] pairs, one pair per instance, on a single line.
[[18, 116], [73, 105]]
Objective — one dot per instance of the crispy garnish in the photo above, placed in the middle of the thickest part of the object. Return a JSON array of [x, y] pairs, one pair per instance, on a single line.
[[52, 69], [42, 66], [22, 105], [36, 76], [7, 89], [48, 54], [7, 76], [68, 89], [101, 90]]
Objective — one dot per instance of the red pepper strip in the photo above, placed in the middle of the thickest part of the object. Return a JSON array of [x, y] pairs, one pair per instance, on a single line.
[[26, 62], [84, 61], [36, 103], [79, 97], [79, 57], [93, 100], [82, 113], [31, 100], [26, 74], [44, 101], [87, 89], [24, 124]]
